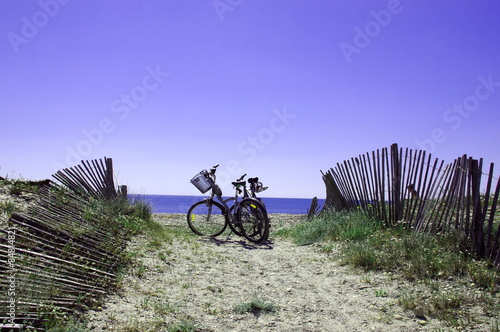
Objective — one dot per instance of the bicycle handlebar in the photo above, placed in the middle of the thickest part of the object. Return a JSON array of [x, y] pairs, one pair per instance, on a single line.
[[213, 169], [254, 182]]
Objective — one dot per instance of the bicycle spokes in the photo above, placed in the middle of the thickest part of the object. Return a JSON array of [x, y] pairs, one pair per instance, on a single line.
[[207, 218], [254, 220], [247, 216]]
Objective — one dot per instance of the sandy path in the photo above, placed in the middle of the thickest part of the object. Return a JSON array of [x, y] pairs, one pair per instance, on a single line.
[[204, 279]]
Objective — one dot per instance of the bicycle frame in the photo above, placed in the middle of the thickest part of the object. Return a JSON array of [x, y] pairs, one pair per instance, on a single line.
[[217, 192], [247, 217]]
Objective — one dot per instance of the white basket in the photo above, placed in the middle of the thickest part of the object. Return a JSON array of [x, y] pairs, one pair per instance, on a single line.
[[202, 182]]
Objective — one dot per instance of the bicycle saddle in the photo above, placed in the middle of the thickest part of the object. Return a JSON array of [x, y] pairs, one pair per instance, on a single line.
[[253, 180]]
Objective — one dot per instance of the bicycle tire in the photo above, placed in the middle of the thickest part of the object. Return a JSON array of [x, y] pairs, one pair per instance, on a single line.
[[235, 227], [254, 220], [207, 218]]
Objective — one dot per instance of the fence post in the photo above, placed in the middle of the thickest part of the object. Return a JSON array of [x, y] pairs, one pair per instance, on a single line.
[[396, 183], [477, 216], [110, 185]]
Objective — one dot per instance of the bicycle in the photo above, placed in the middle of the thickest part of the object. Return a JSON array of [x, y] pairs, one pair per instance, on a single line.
[[248, 215], [255, 187]]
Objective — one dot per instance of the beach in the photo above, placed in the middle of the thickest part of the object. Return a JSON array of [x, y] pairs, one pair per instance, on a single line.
[[190, 279]]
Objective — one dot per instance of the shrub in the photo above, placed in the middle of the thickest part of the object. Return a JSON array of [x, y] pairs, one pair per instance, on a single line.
[[343, 226], [255, 306]]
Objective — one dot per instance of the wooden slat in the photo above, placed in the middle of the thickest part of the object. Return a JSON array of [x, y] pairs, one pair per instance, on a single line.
[[59, 248], [404, 184]]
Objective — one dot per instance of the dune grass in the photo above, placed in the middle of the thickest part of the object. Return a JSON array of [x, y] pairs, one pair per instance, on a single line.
[[365, 243]]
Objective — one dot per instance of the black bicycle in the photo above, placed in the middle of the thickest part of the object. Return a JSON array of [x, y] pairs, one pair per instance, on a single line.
[[247, 216], [255, 187]]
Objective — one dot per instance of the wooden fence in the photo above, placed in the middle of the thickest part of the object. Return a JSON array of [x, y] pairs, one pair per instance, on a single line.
[[404, 185], [91, 178], [314, 209], [58, 255]]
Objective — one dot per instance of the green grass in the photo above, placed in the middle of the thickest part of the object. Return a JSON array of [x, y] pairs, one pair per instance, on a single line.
[[255, 306], [415, 256], [119, 219], [366, 243], [363, 242], [8, 207], [56, 320], [334, 226], [143, 326], [128, 217], [20, 186], [159, 306], [185, 325]]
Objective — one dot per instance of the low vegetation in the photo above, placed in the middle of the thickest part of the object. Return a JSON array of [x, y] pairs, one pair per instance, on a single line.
[[117, 216], [15, 195], [451, 284], [255, 306], [128, 217], [454, 282]]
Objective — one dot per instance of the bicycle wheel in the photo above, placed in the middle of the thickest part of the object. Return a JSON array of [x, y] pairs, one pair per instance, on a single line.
[[207, 218], [235, 227], [254, 220]]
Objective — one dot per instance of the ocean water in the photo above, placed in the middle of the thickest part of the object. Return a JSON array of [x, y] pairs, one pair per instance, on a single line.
[[181, 204]]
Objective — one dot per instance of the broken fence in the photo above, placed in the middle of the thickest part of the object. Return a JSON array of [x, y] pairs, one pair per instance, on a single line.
[[404, 185]]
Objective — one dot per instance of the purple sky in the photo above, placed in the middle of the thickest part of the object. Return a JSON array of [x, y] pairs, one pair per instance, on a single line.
[[276, 89]]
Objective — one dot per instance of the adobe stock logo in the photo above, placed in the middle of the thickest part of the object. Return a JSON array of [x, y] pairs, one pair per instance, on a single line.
[[363, 37], [223, 6], [122, 107], [250, 147], [32, 25], [255, 143], [456, 114]]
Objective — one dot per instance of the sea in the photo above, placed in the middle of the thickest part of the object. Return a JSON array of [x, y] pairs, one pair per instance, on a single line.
[[181, 204]]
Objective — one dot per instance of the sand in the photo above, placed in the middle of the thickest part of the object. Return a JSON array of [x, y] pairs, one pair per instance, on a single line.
[[200, 280]]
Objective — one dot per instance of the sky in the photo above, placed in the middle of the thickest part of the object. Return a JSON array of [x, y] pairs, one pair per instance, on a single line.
[[281, 90]]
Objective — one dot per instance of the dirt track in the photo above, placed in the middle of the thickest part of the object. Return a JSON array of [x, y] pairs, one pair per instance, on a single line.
[[202, 280]]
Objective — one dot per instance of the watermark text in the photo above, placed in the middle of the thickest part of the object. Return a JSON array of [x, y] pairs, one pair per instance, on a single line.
[[32, 25], [122, 108], [455, 115], [363, 36]]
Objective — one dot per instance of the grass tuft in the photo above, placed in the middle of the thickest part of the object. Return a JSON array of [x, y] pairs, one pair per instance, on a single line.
[[434, 261], [185, 325], [255, 306], [334, 226]]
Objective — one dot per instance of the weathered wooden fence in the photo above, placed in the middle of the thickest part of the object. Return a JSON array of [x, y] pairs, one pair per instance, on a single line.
[[408, 186], [91, 178], [314, 209], [58, 255]]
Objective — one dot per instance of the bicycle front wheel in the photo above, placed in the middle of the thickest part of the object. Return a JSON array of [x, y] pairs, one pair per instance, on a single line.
[[207, 218], [254, 220]]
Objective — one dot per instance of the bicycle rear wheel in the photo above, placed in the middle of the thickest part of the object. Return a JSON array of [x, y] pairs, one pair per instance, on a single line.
[[235, 227], [254, 220], [207, 218]]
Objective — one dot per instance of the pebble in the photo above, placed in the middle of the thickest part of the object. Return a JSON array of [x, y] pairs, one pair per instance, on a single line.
[[419, 311]]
